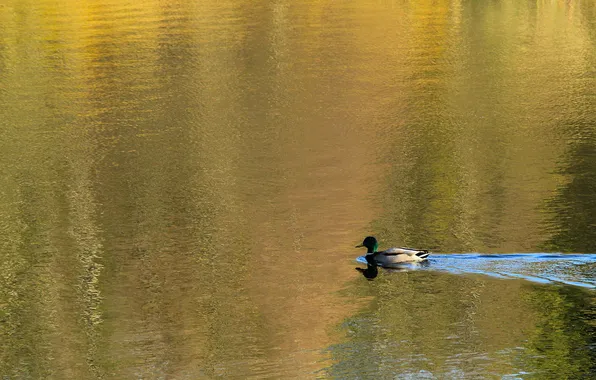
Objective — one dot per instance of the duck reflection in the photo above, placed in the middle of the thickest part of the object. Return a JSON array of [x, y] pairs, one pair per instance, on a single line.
[[372, 270], [372, 267]]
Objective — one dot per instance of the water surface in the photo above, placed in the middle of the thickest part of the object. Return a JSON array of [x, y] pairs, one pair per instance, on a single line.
[[182, 185]]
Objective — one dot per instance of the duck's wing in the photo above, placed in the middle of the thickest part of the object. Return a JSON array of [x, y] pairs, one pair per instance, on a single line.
[[421, 253]]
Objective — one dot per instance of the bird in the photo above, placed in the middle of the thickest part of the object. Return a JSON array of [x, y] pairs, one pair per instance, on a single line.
[[391, 256]]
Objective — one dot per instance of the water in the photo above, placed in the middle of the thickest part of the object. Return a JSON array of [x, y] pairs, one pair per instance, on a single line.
[[182, 185]]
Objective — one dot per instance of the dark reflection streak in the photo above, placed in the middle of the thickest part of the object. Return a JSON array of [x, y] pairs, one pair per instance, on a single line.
[[573, 209]]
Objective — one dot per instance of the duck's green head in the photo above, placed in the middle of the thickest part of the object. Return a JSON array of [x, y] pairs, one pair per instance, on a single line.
[[371, 244]]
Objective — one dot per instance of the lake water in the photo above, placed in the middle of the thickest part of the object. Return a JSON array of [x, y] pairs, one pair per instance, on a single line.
[[182, 185]]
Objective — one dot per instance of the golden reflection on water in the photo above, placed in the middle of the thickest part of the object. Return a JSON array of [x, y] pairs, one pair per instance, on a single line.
[[182, 184]]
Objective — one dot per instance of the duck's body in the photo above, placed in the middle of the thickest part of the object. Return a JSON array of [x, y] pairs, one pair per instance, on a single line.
[[399, 255], [392, 256]]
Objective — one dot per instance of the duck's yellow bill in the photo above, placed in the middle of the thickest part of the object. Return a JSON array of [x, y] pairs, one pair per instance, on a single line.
[[359, 246]]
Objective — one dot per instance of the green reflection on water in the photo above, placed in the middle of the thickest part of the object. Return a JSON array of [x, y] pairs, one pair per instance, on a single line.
[[438, 325], [572, 210], [431, 323], [561, 344]]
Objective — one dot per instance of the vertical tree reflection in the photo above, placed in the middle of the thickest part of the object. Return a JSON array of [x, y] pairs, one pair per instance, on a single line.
[[561, 345], [572, 210]]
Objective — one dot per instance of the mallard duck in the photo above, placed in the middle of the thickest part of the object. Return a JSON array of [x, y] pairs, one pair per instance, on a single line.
[[391, 256]]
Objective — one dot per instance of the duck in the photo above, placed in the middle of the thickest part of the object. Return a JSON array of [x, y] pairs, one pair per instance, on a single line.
[[391, 256]]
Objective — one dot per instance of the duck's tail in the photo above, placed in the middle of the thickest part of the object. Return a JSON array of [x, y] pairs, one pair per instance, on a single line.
[[423, 255]]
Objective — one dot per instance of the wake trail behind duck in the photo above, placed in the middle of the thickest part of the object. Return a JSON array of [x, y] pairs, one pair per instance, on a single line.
[[544, 268]]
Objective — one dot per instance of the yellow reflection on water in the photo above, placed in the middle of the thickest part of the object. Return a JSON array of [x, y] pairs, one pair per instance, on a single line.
[[182, 184]]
